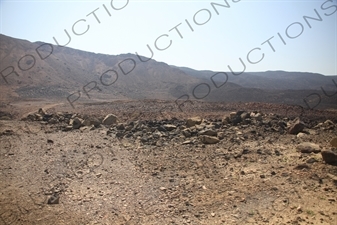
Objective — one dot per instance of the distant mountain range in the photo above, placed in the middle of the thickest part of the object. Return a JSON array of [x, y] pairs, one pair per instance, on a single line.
[[274, 80], [48, 71]]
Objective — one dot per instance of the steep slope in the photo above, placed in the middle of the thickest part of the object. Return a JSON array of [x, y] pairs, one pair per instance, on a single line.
[[65, 70]]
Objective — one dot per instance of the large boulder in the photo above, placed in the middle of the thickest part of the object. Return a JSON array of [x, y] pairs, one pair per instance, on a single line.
[[193, 121], [110, 119]]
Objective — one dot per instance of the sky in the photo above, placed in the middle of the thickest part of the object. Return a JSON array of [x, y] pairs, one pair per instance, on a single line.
[[203, 35]]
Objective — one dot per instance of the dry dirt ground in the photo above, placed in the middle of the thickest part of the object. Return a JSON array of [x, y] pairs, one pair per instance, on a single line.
[[105, 175]]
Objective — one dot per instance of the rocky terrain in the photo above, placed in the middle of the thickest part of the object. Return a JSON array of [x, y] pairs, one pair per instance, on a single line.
[[140, 163], [151, 143]]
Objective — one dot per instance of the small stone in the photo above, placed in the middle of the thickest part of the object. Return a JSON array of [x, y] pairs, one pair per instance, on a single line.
[[256, 116], [301, 135], [213, 214], [76, 123], [54, 199], [120, 126], [221, 135], [226, 120], [312, 160], [333, 177], [67, 128], [170, 127], [302, 166], [84, 128], [232, 115], [162, 188], [41, 111], [186, 133], [334, 142], [209, 139], [328, 125], [187, 142], [208, 133]]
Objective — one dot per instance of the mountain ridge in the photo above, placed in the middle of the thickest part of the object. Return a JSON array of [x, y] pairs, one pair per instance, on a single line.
[[55, 72]]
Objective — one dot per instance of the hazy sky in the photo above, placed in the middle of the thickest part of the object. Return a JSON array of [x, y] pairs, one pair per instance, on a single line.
[[222, 33]]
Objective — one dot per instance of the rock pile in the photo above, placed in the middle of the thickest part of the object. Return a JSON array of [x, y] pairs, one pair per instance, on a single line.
[[191, 131], [70, 121]]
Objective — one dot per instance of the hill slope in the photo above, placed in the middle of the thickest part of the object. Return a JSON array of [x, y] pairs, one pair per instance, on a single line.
[[51, 72]]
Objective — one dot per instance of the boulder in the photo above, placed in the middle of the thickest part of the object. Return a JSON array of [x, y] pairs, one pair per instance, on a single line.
[[307, 147], [209, 139], [193, 121], [296, 127], [329, 157], [110, 119]]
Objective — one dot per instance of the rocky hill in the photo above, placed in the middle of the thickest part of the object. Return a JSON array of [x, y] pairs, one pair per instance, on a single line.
[[44, 71]]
